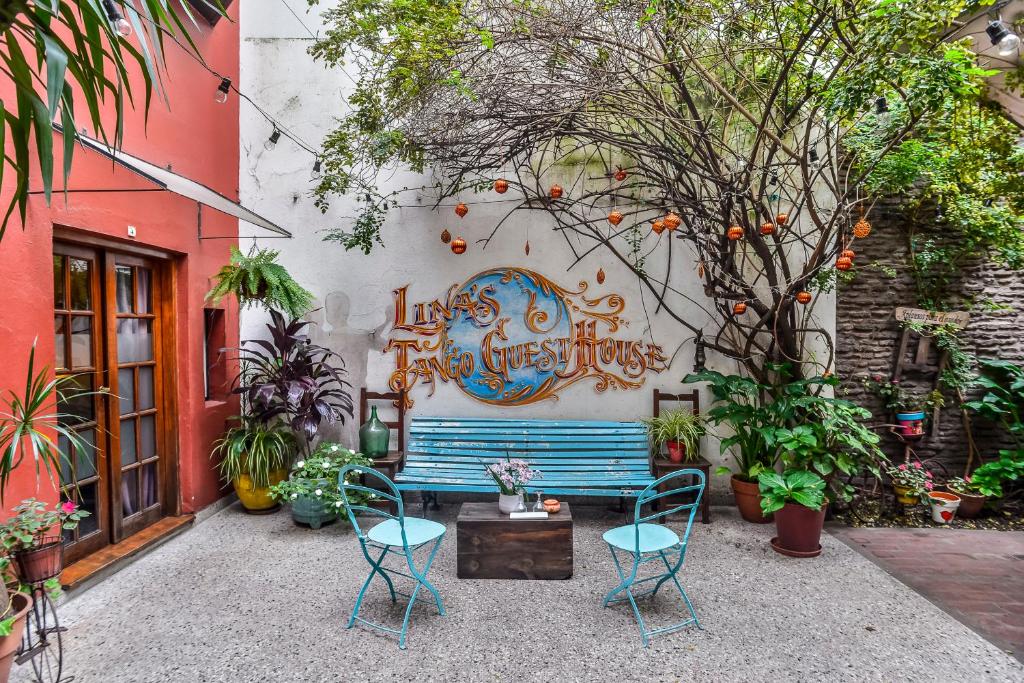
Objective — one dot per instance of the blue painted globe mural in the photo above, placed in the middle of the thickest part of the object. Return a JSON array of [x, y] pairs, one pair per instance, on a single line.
[[516, 344]]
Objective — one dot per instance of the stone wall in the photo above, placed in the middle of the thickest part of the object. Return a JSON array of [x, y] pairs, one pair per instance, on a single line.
[[868, 335]]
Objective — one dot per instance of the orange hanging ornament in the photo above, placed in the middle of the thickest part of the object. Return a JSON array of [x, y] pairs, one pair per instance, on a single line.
[[844, 263], [555, 191], [615, 218], [658, 227], [672, 221], [848, 253], [600, 276], [734, 233], [461, 209], [781, 218], [740, 308], [620, 175], [459, 245], [446, 236], [861, 229], [767, 228], [501, 186], [804, 297]]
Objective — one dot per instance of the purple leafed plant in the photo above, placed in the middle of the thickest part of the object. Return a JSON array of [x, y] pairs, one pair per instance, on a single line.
[[290, 378]]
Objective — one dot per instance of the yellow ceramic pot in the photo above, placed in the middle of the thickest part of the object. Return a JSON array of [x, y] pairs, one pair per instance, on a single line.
[[257, 498], [904, 495]]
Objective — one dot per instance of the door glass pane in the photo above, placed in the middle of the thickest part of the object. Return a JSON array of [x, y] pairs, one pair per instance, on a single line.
[[59, 294], [130, 492], [143, 279], [86, 499], [58, 341], [126, 390], [123, 285], [146, 387], [85, 458], [81, 292], [147, 435], [76, 406], [64, 446], [128, 454], [134, 340], [149, 485], [81, 341]]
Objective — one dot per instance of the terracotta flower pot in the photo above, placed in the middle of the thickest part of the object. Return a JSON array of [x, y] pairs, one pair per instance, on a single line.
[[40, 563], [20, 605], [970, 505], [799, 530], [748, 500], [676, 450]]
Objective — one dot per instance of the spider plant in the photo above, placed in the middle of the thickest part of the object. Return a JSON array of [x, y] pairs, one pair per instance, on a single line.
[[257, 278], [255, 449], [677, 425], [29, 423]]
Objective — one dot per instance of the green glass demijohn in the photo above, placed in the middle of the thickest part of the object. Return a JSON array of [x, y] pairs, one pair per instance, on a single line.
[[374, 436]]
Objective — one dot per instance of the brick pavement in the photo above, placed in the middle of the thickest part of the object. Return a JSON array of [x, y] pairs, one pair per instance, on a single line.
[[975, 576]]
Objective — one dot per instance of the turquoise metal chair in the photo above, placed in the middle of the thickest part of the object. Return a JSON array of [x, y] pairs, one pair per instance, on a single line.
[[396, 535], [644, 542]]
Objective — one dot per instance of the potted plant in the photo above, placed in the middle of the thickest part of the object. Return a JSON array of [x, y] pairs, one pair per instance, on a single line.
[[289, 378], [990, 478], [910, 408], [32, 537], [12, 625], [943, 506], [313, 490], [797, 500], [511, 475], [254, 455], [971, 502], [910, 481], [680, 431], [749, 410], [257, 278]]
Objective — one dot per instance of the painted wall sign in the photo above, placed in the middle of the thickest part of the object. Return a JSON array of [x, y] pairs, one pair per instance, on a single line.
[[955, 318], [510, 337]]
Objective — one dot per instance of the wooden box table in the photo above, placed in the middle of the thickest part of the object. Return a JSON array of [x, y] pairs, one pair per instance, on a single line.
[[492, 546]]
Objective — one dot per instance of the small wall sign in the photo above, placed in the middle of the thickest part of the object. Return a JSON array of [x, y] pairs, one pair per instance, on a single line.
[[510, 336], [957, 318]]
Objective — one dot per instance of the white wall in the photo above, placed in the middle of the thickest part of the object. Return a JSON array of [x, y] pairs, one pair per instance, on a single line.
[[357, 290]]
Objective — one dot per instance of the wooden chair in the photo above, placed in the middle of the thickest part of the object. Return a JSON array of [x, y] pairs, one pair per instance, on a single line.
[[661, 467], [390, 464]]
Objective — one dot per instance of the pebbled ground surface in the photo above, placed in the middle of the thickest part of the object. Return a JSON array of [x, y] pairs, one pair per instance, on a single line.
[[255, 598]]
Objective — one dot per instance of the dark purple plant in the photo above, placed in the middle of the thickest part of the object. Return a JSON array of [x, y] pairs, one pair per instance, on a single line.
[[291, 378]]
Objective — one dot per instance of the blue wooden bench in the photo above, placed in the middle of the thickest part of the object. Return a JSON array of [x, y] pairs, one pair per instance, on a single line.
[[575, 457]]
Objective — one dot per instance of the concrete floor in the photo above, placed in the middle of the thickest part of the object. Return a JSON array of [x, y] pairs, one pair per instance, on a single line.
[[245, 598]]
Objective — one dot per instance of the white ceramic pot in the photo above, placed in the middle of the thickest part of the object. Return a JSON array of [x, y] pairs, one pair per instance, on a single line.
[[944, 506], [509, 504]]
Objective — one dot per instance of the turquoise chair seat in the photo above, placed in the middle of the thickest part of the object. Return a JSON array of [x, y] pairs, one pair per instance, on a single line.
[[417, 531], [653, 537]]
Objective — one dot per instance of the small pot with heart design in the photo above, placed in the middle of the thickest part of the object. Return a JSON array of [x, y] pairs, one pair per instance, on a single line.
[[944, 505]]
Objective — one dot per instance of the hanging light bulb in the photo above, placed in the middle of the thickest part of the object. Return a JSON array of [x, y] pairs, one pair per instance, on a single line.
[[116, 19], [881, 106], [271, 142], [316, 170], [221, 96], [812, 156], [1006, 41]]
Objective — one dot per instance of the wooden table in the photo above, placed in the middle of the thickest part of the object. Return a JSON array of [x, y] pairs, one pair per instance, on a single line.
[[663, 467], [492, 546]]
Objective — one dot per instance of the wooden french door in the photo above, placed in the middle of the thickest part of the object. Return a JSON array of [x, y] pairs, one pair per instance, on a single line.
[[111, 322]]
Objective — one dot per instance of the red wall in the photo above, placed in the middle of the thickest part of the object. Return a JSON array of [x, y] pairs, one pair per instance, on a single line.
[[198, 138]]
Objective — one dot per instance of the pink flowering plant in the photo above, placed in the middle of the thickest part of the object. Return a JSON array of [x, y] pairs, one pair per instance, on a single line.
[[512, 475], [33, 521], [912, 475]]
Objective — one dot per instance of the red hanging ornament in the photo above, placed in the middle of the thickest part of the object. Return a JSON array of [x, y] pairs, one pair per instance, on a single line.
[[555, 191], [527, 247], [461, 209], [767, 228], [658, 227], [734, 233], [740, 308], [459, 245], [804, 297], [848, 253], [501, 186], [600, 276], [782, 218], [844, 263], [446, 236], [615, 218], [672, 221], [620, 175]]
